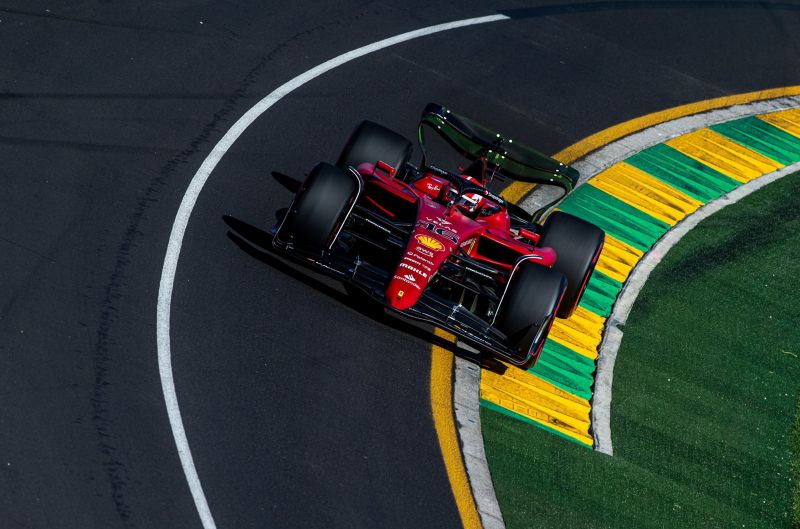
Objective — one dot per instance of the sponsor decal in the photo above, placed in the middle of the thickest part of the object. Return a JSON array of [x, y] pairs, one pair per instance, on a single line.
[[405, 279], [414, 269], [438, 221], [433, 187], [418, 263], [495, 197], [378, 226], [478, 272], [430, 243], [475, 337], [468, 244], [472, 198], [423, 251], [441, 232]]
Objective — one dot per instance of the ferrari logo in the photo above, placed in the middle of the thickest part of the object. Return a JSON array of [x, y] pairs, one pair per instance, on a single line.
[[430, 242]]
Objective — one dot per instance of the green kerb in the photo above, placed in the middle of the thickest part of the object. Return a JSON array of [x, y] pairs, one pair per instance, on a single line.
[[600, 294], [796, 470], [614, 216], [565, 369], [760, 136], [683, 173]]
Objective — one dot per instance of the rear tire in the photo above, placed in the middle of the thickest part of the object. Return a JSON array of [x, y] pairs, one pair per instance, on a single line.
[[577, 244], [318, 208], [528, 308], [370, 143]]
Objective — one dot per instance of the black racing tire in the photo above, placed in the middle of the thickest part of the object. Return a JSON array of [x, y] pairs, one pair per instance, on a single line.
[[319, 207], [370, 143], [528, 308], [577, 244]]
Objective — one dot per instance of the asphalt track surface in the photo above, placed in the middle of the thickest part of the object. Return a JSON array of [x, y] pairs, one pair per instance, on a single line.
[[301, 410]]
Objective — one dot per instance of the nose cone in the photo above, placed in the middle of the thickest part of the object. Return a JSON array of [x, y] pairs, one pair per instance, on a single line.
[[403, 291], [424, 255], [412, 275]]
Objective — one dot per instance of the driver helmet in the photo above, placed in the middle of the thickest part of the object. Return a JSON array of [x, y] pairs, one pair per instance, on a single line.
[[470, 202]]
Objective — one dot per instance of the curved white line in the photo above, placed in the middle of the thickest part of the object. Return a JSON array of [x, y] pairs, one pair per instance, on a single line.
[[182, 220]]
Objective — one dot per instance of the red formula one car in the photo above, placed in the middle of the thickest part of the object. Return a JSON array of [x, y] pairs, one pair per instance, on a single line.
[[437, 245]]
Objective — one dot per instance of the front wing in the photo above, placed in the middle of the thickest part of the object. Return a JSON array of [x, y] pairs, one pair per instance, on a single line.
[[431, 308]]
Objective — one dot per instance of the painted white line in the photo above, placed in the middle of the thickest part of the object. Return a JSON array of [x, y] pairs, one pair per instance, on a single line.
[[182, 220]]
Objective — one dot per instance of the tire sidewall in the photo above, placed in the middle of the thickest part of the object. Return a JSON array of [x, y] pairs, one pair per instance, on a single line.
[[318, 209], [577, 244], [529, 306], [371, 142]]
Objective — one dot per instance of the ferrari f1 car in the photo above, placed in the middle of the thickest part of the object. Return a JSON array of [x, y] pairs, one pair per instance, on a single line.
[[438, 245]]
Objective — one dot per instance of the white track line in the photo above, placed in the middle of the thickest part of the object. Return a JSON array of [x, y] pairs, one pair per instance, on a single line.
[[182, 220]]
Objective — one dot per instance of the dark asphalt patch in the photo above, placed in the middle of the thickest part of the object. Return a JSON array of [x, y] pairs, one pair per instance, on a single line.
[[108, 112]]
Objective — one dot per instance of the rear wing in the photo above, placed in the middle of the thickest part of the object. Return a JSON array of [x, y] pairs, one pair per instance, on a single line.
[[512, 159]]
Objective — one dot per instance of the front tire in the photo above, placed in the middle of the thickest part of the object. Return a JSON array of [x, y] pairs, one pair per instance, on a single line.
[[577, 244], [528, 308], [318, 209], [370, 143]]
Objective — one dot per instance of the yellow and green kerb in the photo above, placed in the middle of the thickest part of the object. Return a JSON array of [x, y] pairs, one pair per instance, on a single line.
[[636, 201]]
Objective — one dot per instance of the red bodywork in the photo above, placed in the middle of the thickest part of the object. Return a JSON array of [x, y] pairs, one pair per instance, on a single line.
[[440, 229]]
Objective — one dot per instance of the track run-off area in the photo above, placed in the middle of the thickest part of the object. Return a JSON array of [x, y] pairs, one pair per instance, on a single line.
[[704, 404], [692, 159], [637, 190], [299, 409]]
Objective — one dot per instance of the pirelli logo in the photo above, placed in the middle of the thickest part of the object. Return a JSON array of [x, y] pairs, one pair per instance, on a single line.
[[414, 269]]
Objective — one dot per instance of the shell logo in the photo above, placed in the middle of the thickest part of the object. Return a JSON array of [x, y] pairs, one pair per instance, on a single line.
[[430, 242]]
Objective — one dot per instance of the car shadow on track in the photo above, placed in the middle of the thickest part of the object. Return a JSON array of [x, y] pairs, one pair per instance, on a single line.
[[257, 243], [291, 184]]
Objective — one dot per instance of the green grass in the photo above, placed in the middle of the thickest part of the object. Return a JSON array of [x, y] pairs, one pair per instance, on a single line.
[[796, 470], [705, 393]]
